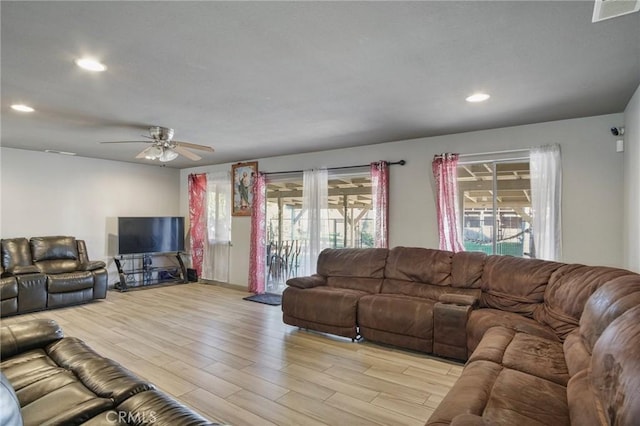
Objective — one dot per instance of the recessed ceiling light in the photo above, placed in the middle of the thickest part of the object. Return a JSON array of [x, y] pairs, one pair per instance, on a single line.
[[478, 97], [22, 108], [90, 64], [54, 151]]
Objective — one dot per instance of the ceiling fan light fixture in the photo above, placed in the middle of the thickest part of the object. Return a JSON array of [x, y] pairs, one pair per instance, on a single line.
[[168, 154], [153, 152]]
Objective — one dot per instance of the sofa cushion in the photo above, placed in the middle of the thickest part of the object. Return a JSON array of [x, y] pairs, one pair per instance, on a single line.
[[369, 285], [8, 288], [523, 352], [615, 369], [70, 281], [576, 354], [482, 320], [102, 376], [324, 305], [29, 335], [606, 304], [349, 262], [467, 268], [402, 315], [15, 252], [503, 396], [515, 284], [419, 265], [55, 255], [569, 289]]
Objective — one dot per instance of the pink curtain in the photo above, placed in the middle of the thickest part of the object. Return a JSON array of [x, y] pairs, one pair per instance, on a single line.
[[197, 218], [446, 177], [257, 254], [380, 190]]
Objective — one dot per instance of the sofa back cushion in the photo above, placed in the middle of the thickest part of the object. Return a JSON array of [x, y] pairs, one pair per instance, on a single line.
[[515, 284], [467, 268], [568, 291], [419, 265], [55, 255], [357, 269], [16, 253], [615, 370], [606, 304]]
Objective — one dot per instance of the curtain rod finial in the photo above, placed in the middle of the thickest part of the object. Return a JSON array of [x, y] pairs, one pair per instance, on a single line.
[[402, 162]]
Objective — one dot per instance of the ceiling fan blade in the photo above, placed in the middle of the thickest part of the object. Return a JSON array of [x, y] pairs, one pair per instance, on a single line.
[[183, 151], [143, 153], [127, 142], [194, 146]]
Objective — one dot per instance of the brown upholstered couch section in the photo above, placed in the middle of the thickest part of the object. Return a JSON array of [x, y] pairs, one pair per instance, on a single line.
[[48, 272], [60, 380], [545, 343]]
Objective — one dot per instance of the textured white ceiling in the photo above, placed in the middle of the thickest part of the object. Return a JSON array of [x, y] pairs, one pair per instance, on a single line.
[[256, 79]]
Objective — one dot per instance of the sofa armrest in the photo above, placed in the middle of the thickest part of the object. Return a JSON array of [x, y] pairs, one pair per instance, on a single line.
[[24, 336], [92, 265], [458, 299], [307, 282], [22, 270]]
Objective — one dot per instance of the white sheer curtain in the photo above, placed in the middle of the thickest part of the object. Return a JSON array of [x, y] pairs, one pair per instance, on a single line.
[[215, 265], [445, 173], [546, 201], [315, 218]]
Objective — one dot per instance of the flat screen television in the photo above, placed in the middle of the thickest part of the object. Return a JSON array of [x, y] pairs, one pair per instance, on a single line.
[[150, 235]]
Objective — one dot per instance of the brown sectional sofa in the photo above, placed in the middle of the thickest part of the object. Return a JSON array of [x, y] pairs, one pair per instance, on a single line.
[[48, 272], [57, 380], [545, 343]]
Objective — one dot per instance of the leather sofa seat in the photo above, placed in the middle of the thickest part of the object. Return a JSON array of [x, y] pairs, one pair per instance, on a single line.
[[397, 320], [60, 380], [326, 309], [8, 295], [481, 320]]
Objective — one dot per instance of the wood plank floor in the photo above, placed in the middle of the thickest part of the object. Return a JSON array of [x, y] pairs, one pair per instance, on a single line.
[[235, 362]]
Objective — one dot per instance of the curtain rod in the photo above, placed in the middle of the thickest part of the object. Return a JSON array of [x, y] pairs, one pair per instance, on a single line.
[[477, 154], [401, 163]]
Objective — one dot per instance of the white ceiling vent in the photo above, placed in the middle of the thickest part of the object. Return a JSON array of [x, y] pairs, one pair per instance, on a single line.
[[606, 9]]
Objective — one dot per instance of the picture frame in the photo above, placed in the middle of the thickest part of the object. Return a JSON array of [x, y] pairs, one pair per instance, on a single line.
[[243, 178]]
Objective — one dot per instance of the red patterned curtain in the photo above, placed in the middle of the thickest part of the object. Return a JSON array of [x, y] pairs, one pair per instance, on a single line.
[[197, 218], [445, 172], [257, 254], [380, 189]]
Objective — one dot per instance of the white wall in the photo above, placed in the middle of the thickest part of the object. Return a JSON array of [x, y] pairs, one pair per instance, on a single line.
[[632, 183], [592, 187], [50, 194]]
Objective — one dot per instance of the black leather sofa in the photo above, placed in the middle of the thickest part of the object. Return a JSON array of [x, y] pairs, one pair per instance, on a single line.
[[48, 272], [59, 380]]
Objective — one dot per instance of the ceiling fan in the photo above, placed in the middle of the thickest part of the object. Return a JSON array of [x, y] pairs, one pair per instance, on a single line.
[[164, 148]]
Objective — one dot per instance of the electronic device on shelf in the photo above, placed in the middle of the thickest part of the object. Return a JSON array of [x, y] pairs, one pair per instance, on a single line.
[[149, 250]]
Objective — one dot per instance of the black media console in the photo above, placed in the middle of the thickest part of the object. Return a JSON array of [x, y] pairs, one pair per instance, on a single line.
[[148, 269]]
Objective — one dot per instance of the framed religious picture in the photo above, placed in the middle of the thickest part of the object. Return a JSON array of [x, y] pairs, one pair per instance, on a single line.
[[243, 175]]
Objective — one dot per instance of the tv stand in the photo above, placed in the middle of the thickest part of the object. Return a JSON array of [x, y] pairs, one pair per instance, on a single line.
[[148, 269]]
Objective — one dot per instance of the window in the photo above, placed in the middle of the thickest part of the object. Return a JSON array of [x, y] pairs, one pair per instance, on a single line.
[[350, 221], [495, 197]]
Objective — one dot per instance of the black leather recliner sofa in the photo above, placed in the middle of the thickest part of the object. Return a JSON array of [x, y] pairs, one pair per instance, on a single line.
[[57, 380], [48, 272]]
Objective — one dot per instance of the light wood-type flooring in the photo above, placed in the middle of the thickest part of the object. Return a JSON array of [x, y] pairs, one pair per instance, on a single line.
[[235, 362]]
